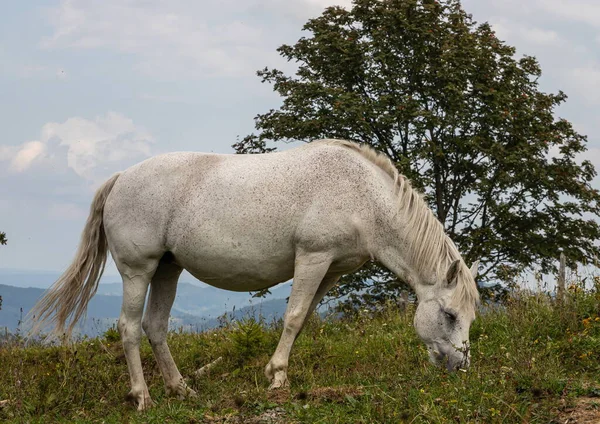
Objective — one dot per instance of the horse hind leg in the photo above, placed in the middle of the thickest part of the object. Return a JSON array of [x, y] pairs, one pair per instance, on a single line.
[[309, 272], [325, 286], [135, 286], [156, 324]]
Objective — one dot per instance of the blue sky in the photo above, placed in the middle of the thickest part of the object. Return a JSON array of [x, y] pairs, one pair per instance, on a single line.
[[90, 87]]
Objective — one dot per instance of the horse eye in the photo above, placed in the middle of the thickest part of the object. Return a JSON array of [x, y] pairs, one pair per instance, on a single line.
[[450, 316]]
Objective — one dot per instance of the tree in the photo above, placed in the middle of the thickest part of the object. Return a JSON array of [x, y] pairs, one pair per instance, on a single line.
[[458, 113]]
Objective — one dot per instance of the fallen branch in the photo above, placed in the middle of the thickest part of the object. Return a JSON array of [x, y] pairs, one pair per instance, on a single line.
[[206, 368]]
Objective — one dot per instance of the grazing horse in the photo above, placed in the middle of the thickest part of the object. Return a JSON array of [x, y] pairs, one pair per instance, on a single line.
[[249, 222]]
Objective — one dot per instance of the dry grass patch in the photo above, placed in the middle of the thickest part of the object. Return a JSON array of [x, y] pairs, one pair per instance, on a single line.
[[585, 411]]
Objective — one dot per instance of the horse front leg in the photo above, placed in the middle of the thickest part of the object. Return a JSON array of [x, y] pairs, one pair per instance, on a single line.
[[309, 272]]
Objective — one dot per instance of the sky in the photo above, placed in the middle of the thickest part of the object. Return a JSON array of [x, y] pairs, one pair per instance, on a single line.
[[88, 88]]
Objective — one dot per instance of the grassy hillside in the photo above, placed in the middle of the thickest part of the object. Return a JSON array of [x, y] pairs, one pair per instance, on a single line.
[[532, 361]]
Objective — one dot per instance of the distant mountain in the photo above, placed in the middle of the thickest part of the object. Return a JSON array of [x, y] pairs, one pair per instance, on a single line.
[[193, 297], [18, 301], [195, 307], [38, 279], [18, 278], [200, 300], [268, 310]]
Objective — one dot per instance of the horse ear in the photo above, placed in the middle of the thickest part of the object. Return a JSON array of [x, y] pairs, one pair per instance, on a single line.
[[474, 269], [452, 274]]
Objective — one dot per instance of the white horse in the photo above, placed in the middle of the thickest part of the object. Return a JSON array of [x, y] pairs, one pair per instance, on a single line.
[[249, 222]]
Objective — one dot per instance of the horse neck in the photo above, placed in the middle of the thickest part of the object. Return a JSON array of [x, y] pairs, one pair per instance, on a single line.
[[393, 241]]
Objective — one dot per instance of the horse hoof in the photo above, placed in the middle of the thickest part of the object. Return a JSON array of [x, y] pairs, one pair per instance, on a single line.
[[187, 394], [145, 404], [276, 385], [181, 391], [280, 381], [142, 400]]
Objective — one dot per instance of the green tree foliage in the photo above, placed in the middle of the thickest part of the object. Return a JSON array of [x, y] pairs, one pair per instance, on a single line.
[[458, 113]]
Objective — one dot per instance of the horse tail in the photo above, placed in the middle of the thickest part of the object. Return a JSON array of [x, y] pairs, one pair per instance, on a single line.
[[71, 293]]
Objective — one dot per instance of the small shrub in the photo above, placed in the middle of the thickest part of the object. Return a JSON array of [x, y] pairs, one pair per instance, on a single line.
[[112, 335], [249, 339]]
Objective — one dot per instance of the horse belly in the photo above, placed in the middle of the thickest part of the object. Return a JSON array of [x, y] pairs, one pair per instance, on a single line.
[[232, 267]]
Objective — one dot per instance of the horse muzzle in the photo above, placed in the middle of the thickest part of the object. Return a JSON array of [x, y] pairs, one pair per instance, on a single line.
[[455, 361]]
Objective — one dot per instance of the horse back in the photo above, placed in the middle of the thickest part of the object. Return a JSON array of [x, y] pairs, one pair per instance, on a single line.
[[210, 206]]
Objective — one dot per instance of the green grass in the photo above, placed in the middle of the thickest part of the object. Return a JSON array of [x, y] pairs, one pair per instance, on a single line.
[[531, 359]]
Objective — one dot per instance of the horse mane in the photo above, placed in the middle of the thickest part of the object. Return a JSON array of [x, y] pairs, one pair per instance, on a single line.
[[430, 247]]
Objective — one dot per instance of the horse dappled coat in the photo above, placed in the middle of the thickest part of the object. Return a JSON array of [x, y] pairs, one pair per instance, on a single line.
[[248, 222]]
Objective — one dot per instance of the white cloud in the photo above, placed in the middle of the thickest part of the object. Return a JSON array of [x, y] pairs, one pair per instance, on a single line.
[[93, 149], [584, 11], [164, 37], [567, 62], [580, 11], [26, 155], [181, 37], [541, 36], [326, 3], [519, 33]]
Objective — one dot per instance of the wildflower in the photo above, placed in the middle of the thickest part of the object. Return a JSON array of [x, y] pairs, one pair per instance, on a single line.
[[494, 411]]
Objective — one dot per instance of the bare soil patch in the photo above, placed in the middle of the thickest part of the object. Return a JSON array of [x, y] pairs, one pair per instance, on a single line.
[[585, 411]]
